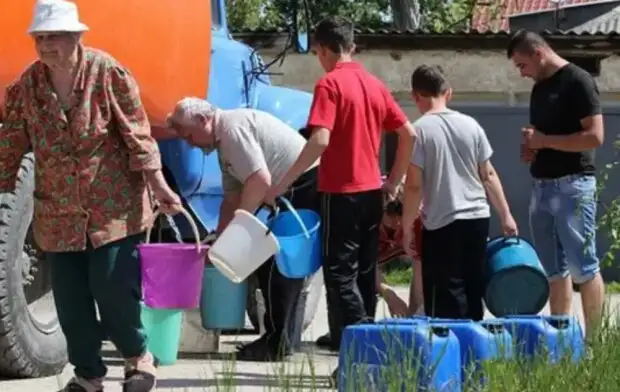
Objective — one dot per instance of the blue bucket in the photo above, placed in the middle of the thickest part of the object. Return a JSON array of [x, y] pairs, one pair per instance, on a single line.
[[516, 282], [298, 233], [222, 302]]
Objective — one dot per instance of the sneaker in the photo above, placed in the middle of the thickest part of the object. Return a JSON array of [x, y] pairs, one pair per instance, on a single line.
[[81, 385], [140, 378]]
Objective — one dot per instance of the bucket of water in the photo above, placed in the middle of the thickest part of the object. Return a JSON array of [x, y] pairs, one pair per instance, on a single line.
[[516, 282], [298, 233], [163, 329], [172, 273], [244, 245], [223, 302]]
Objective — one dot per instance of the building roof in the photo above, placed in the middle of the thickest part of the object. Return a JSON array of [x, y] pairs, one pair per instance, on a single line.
[[491, 16]]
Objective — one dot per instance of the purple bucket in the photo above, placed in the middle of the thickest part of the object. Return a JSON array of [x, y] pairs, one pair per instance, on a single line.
[[172, 273]]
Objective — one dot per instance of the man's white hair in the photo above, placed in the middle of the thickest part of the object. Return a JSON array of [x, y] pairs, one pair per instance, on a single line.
[[189, 107]]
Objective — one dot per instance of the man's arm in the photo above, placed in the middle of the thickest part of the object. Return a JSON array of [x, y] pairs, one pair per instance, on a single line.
[[254, 191], [321, 123], [14, 140], [585, 103], [227, 210], [592, 136], [244, 161]]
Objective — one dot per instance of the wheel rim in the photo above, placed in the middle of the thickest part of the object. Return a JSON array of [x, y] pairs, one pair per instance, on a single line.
[[37, 286]]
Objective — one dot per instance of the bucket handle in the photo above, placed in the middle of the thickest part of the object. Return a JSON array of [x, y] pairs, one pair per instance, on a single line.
[[293, 211], [189, 219], [504, 240]]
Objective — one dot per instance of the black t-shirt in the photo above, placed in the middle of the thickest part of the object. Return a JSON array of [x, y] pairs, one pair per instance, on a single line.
[[557, 106]]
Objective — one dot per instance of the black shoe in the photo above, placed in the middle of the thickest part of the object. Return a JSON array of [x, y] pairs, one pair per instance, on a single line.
[[261, 350], [325, 342], [77, 385], [138, 381]]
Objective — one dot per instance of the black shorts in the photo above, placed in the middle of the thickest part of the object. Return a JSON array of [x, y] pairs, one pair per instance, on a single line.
[[453, 259]]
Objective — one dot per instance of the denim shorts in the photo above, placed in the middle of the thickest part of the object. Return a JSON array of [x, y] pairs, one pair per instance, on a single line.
[[563, 226]]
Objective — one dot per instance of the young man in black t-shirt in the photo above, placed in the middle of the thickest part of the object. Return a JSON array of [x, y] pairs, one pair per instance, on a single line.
[[566, 126]]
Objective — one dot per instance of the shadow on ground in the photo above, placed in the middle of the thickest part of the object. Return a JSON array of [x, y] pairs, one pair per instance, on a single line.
[[226, 380]]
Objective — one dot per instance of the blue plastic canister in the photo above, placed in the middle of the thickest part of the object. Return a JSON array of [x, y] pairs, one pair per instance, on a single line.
[[516, 282], [553, 337], [399, 357], [479, 342], [298, 233], [222, 302], [405, 321]]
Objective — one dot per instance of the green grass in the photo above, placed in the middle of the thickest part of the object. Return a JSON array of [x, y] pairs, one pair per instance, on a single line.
[[598, 372], [398, 273], [398, 277]]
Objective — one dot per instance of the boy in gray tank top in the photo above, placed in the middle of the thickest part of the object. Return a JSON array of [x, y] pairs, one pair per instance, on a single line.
[[451, 170]]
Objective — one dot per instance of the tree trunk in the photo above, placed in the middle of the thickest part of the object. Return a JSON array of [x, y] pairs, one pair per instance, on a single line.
[[405, 14]]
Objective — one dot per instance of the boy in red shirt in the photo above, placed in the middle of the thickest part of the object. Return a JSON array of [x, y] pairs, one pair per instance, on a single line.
[[351, 108], [391, 248]]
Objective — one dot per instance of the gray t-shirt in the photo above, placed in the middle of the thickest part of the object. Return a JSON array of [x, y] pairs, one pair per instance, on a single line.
[[449, 149], [250, 140]]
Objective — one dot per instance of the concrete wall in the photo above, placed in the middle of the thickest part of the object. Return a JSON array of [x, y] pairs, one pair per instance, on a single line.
[[486, 74]]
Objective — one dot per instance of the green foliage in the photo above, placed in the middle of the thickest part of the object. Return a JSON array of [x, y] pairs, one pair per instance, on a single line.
[[609, 222], [253, 14], [437, 15]]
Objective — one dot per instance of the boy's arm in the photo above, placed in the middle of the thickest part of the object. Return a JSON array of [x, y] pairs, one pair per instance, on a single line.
[[406, 141], [396, 120], [412, 196], [320, 123], [493, 185], [494, 189]]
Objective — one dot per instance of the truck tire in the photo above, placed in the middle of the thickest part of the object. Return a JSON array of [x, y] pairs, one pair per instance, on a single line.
[[256, 305], [28, 346]]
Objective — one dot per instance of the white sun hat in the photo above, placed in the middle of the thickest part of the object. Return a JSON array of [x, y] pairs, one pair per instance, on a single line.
[[56, 15]]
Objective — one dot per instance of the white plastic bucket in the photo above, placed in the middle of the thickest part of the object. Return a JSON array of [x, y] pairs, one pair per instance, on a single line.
[[243, 246]]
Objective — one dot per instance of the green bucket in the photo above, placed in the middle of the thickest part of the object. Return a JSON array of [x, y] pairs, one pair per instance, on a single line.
[[163, 329]]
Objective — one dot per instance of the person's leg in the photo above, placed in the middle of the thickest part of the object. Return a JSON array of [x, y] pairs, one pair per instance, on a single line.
[[77, 315], [280, 294], [475, 233], [576, 227], [341, 221], [368, 253], [416, 298], [115, 281], [545, 240], [443, 272]]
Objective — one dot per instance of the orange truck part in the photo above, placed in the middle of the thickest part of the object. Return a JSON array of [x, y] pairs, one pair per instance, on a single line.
[[166, 44]]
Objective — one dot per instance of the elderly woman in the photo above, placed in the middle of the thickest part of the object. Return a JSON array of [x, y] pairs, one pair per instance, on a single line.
[[79, 110]]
